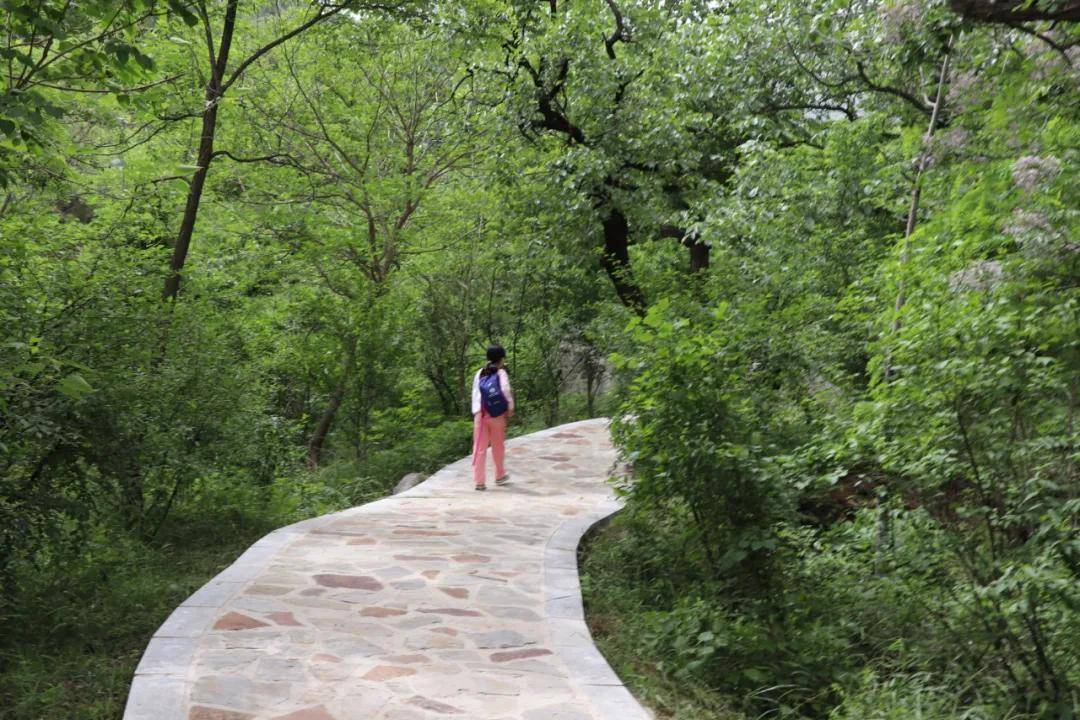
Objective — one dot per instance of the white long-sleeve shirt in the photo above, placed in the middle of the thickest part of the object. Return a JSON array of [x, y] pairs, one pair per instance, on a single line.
[[504, 385]]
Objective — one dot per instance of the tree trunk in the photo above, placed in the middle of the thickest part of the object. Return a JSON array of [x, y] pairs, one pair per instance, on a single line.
[[1015, 11], [205, 157], [464, 390], [921, 164], [883, 541], [920, 169], [318, 438], [699, 251], [132, 496], [368, 391], [591, 384], [699, 256], [616, 260]]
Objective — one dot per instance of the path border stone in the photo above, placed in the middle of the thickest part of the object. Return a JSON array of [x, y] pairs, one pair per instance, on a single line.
[[162, 678], [566, 619]]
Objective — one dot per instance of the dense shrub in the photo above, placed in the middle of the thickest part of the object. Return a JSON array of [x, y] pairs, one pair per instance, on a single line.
[[860, 464]]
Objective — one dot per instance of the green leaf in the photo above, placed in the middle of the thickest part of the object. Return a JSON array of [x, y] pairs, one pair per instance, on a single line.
[[75, 386], [755, 675]]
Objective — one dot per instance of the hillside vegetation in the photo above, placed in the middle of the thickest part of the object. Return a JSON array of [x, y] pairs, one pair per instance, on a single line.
[[820, 261]]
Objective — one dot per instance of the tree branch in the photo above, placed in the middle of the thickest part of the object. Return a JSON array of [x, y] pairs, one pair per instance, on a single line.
[[554, 117], [106, 91], [1063, 50], [324, 13], [889, 90], [274, 159], [828, 107], [622, 32], [185, 178]]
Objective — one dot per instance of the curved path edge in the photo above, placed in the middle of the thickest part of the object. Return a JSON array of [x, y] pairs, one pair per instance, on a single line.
[[573, 642], [163, 679]]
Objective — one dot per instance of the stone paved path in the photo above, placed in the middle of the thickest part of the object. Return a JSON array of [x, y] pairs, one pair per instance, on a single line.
[[439, 602]]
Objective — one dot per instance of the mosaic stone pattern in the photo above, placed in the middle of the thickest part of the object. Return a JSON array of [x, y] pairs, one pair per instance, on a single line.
[[441, 602]]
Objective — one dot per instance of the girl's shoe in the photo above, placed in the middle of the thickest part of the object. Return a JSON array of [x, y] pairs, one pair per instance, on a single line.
[[503, 480], [482, 487]]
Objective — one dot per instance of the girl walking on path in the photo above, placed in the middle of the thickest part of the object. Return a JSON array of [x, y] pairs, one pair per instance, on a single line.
[[492, 405]]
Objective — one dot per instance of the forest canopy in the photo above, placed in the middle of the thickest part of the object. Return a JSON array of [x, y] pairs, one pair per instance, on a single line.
[[819, 260]]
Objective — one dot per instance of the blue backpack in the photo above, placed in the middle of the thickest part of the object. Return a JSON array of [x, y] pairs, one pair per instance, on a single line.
[[491, 395]]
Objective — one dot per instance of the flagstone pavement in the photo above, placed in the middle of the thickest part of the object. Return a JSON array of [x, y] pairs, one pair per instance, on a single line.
[[440, 602]]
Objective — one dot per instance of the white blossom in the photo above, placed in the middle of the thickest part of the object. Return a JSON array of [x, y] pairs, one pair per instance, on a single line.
[[980, 275], [1032, 172], [1024, 222], [950, 143], [962, 88], [899, 16]]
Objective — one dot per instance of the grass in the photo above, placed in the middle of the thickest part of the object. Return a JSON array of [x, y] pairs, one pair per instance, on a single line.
[[613, 611], [71, 643]]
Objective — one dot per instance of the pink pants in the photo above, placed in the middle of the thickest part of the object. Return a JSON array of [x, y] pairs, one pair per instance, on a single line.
[[488, 430]]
